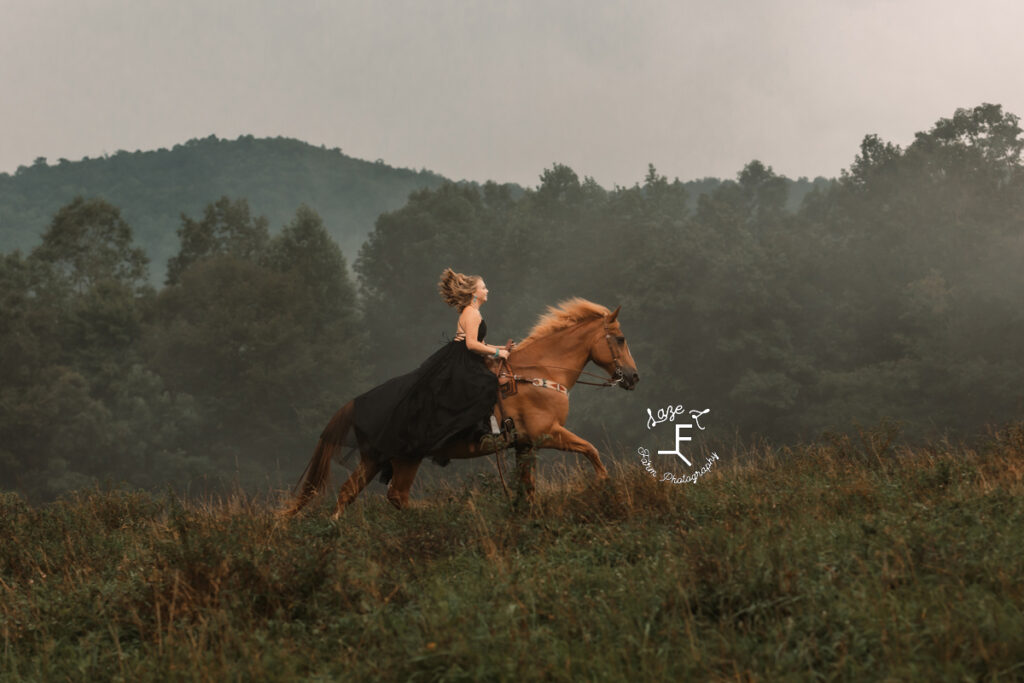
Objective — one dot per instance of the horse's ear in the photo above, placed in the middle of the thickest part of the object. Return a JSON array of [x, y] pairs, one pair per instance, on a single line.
[[614, 314]]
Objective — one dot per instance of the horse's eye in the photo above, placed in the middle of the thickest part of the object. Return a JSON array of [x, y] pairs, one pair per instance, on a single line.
[[621, 340]]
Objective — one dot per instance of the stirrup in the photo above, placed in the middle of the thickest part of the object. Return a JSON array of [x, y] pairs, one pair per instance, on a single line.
[[499, 440]]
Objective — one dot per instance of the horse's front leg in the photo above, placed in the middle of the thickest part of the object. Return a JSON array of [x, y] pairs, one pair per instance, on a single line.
[[564, 440], [526, 461]]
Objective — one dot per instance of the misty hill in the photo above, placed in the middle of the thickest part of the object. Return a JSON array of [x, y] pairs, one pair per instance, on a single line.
[[275, 175], [154, 188]]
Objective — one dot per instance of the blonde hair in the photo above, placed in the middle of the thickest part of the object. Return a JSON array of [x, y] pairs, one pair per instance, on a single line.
[[457, 288]]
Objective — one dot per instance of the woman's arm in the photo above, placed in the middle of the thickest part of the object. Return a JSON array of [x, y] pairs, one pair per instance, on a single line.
[[470, 320]]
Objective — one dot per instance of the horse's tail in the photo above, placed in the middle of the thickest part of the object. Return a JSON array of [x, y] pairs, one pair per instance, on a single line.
[[315, 477]]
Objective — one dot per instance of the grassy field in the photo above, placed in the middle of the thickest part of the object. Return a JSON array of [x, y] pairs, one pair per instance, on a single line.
[[850, 559]]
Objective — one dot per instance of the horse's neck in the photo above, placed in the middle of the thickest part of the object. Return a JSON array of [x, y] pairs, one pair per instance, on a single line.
[[560, 356]]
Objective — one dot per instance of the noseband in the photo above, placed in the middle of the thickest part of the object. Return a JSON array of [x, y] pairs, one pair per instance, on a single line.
[[619, 374]]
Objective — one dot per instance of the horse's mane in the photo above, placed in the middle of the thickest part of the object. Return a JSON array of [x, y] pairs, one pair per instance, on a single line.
[[566, 314]]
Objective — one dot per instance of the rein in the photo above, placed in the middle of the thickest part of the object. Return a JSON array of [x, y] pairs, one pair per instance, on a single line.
[[612, 381]]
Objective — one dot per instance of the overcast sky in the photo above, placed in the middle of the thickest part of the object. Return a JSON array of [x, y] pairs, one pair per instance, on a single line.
[[502, 90]]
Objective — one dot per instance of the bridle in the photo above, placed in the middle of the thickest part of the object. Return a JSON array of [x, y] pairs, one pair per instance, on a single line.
[[618, 375], [505, 370]]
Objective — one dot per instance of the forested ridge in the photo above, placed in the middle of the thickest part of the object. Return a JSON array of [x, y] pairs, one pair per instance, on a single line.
[[153, 188], [889, 294]]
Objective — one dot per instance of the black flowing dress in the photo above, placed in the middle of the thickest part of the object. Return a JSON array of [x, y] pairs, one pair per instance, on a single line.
[[408, 416]]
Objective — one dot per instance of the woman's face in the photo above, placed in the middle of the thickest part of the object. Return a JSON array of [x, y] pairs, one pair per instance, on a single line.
[[481, 290]]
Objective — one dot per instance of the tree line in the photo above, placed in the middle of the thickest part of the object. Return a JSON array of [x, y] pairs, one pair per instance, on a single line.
[[152, 188], [223, 374], [889, 293]]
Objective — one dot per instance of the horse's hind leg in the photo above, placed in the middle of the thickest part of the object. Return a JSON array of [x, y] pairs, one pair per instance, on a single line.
[[357, 481], [401, 480]]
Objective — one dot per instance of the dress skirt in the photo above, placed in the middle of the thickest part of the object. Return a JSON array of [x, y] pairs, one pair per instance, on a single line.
[[408, 416]]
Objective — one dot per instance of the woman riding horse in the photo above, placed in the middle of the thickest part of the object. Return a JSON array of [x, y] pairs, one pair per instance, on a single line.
[[404, 420]]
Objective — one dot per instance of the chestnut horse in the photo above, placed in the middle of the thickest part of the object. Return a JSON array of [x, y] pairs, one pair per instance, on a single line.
[[554, 354]]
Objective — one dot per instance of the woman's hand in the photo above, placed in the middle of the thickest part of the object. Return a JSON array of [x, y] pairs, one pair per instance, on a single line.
[[502, 353]]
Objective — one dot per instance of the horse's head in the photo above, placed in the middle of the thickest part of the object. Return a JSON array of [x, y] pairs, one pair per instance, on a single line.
[[610, 350]]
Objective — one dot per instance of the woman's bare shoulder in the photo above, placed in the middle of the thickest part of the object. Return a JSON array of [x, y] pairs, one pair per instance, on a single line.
[[470, 313]]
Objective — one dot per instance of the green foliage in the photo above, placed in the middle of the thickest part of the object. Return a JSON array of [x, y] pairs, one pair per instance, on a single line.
[[263, 333], [153, 189], [859, 559], [215, 378], [72, 313], [227, 228], [88, 242]]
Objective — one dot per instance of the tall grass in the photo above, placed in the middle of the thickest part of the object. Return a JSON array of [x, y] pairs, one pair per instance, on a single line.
[[849, 559]]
